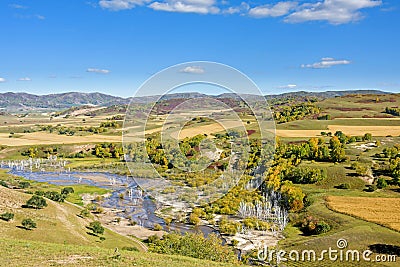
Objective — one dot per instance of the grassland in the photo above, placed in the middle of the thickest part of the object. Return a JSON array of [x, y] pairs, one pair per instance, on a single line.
[[56, 223], [23, 253]]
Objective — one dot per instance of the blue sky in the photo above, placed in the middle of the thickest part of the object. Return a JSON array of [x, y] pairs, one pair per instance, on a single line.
[[112, 46]]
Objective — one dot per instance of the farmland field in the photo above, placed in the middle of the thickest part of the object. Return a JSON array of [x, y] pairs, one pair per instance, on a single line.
[[41, 138], [383, 211]]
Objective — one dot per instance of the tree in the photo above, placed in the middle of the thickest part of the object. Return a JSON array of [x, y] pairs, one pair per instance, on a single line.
[[337, 150], [96, 228], [8, 216], [28, 224], [67, 190], [381, 183], [36, 202], [367, 137]]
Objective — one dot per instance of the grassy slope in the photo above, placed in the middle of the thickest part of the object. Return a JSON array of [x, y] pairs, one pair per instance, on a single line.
[[31, 253], [56, 223]]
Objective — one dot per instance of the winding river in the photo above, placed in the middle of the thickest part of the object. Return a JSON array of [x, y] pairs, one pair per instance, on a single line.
[[125, 196]]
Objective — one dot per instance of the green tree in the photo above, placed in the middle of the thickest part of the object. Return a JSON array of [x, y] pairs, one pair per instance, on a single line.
[[28, 224], [367, 137], [36, 202], [96, 228], [67, 190], [337, 151], [8, 216]]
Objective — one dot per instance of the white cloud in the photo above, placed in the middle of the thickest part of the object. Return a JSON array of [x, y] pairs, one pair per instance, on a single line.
[[40, 17], [121, 4], [16, 6], [187, 6], [2, 80], [325, 63], [333, 11], [25, 79], [243, 8], [193, 69], [277, 10], [289, 86], [100, 71]]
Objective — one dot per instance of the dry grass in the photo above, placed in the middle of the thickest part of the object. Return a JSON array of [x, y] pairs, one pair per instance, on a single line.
[[298, 133], [383, 211], [43, 138], [361, 130]]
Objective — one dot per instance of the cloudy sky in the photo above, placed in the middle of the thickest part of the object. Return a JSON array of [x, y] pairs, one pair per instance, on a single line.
[[113, 46]]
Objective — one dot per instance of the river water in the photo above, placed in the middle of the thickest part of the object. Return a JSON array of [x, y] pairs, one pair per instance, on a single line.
[[125, 196]]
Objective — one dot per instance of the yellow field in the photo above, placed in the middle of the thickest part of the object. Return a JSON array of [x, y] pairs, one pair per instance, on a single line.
[[384, 211], [43, 138], [361, 130], [298, 133], [207, 129], [349, 130]]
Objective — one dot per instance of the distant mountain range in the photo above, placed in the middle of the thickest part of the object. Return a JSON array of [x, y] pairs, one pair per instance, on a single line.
[[20, 102]]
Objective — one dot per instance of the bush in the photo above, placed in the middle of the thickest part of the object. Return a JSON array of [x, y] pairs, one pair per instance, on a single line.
[[130, 249], [67, 191], [152, 239], [8, 216], [193, 245], [28, 224], [312, 226], [322, 227], [194, 219], [36, 202], [2, 183], [84, 213], [96, 228], [24, 185], [157, 227], [381, 183], [343, 186]]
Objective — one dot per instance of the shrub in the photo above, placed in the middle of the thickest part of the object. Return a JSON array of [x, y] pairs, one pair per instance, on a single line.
[[343, 186], [96, 228], [157, 227], [84, 213], [2, 183], [8, 216], [322, 227], [193, 245], [24, 185], [312, 226], [381, 183], [194, 219], [36, 202], [28, 224], [67, 191], [55, 196], [130, 249], [153, 239]]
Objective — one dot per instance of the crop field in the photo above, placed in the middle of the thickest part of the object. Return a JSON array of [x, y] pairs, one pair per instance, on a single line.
[[42, 138], [383, 211]]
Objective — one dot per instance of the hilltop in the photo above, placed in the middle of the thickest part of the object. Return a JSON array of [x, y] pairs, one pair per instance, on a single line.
[[23, 102]]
